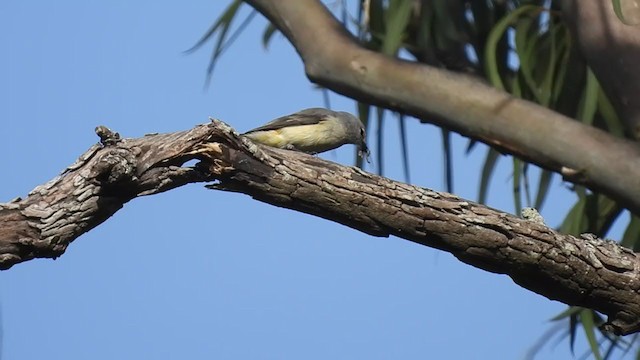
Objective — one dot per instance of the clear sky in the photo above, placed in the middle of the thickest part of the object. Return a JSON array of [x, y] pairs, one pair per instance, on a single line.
[[199, 274]]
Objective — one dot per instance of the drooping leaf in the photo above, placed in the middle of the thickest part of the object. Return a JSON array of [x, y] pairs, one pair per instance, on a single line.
[[525, 183], [498, 31], [573, 330], [606, 109], [404, 147], [376, 22], [588, 324], [221, 27], [589, 100], [424, 42], [617, 9], [326, 99], [525, 45], [397, 18], [543, 188], [268, 33], [471, 144], [631, 237], [487, 171], [447, 159], [546, 86], [571, 310], [628, 11], [223, 45], [573, 222], [224, 21], [380, 139], [564, 54], [517, 196], [608, 213], [449, 36]]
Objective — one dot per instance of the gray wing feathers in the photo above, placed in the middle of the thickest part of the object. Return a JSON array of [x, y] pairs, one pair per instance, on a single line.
[[304, 117]]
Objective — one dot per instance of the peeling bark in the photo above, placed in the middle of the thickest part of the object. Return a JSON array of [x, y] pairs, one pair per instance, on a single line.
[[584, 271]]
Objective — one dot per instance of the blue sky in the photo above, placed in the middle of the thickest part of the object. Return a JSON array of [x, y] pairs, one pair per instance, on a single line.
[[199, 274]]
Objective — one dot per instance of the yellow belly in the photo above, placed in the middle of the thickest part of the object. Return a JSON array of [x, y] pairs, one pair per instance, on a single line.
[[307, 138]]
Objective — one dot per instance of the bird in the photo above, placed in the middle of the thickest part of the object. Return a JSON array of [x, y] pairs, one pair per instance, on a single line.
[[312, 131]]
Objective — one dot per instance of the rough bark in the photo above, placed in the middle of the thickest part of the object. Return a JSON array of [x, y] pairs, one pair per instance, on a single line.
[[332, 58], [88, 192], [583, 271]]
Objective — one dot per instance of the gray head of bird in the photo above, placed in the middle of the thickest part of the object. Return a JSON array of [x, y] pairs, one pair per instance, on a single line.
[[356, 133]]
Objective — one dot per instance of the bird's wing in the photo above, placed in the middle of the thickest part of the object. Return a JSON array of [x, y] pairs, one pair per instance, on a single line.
[[304, 117]]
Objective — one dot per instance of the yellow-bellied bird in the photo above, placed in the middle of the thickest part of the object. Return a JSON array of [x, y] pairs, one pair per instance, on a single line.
[[312, 131]]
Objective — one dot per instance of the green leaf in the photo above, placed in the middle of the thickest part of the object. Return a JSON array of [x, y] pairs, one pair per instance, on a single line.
[[404, 147], [617, 9], [223, 21], [397, 16], [589, 100], [487, 171], [424, 36], [516, 87], [221, 26], [573, 222], [573, 329], [543, 188], [222, 45], [380, 138], [376, 20], [517, 172], [627, 11], [268, 33], [561, 77], [498, 31], [525, 180], [448, 159], [607, 213], [470, 145], [547, 83], [586, 316], [571, 310], [526, 55], [631, 237], [605, 108]]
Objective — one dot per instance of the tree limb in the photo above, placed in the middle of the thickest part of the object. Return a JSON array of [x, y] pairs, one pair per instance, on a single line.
[[612, 50], [88, 192], [583, 271], [582, 154]]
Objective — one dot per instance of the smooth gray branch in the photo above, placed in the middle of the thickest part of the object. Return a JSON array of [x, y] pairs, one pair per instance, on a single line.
[[582, 154]]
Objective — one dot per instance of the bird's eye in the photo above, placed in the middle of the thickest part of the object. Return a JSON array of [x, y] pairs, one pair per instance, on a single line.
[[362, 132]]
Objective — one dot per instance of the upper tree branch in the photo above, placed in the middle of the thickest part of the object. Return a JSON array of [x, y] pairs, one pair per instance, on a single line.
[[583, 154], [612, 50], [583, 271]]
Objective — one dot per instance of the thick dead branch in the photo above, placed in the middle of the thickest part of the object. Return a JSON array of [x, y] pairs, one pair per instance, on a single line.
[[88, 192], [332, 58], [583, 271]]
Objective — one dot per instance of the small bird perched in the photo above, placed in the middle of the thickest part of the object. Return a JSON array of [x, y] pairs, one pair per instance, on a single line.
[[312, 131]]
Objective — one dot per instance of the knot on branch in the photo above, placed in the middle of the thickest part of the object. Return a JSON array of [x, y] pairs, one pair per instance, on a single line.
[[107, 136], [116, 167]]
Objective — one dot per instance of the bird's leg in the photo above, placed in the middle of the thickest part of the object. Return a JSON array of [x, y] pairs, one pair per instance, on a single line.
[[292, 147]]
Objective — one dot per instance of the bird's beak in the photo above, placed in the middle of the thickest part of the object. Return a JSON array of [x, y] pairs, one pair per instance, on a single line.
[[363, 151]]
